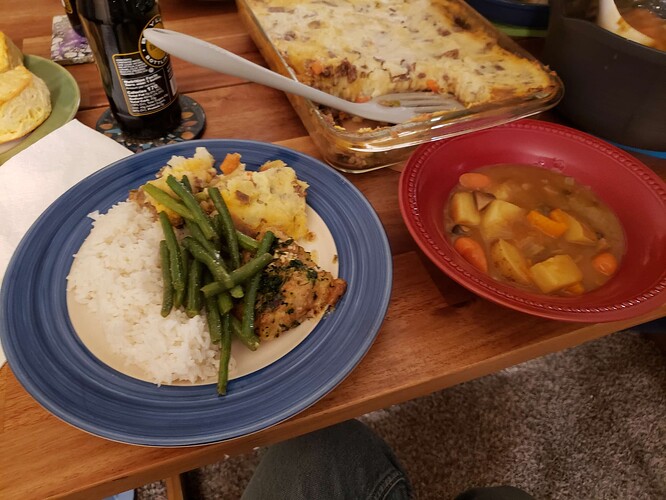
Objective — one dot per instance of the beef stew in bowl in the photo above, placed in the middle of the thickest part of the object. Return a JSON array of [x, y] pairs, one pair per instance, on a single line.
[[634, 194], [534, 228]]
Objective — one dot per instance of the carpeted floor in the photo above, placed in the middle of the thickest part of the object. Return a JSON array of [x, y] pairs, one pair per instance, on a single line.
[[586, 423]]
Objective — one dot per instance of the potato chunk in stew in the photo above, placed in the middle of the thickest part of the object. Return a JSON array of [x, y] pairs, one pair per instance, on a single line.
[[540, 230], [556, 273], [509, 262]]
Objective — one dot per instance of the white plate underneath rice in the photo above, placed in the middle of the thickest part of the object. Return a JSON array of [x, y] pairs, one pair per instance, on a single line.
[[114, 295]]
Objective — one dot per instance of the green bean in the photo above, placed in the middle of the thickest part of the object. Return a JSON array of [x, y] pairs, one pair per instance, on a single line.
[[238, 276], [236, 291], [247, 325], [266, 243], [249, 341], [215, 266], [214, 288], [228, 228], [225, 355], [193, 205], [246, 242], [224, 302], [194, 282], [216, 221], [185, 181], [175, 257], [197, 234], [214, 320], [253, 267], [180, 297], [165, 199], [167, 287]]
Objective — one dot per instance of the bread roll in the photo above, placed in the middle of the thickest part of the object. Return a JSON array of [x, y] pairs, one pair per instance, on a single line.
[[26, 110], [25, 100], [10, 55], [13, 82]]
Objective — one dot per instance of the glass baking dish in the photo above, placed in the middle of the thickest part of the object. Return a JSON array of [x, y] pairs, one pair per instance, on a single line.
[[369, 146]]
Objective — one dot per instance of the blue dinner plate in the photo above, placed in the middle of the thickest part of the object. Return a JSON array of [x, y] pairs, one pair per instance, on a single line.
[[55, 367]]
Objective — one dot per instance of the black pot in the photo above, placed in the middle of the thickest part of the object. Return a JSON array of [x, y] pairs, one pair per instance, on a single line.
[[614, 88]]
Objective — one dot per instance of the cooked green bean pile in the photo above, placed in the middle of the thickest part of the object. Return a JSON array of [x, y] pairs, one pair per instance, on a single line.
[[203, 271]]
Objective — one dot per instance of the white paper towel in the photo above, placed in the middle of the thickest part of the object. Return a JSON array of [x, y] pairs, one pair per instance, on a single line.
[[38, 175]]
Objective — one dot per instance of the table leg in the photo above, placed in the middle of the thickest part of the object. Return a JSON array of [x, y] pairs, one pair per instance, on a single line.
[[174, 488]]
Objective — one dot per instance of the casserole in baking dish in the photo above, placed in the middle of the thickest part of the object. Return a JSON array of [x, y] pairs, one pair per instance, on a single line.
[[359, 49]]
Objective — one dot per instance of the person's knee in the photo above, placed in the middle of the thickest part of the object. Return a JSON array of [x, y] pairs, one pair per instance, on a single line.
[[347, 439], [346, 460]]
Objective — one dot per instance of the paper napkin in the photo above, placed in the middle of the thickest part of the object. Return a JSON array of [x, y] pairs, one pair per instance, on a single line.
[[38, 175]]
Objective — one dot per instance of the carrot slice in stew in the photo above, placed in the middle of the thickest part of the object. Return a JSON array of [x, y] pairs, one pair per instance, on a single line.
[[575, 289], [474, 180], [472, 251], [546, 225], [605, 263]]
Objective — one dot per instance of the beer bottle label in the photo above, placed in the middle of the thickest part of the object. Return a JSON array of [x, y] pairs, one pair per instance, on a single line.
[[146, 76]]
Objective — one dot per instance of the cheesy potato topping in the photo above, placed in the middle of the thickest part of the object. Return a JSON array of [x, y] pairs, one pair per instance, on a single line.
[[271, 198], [359, 49]]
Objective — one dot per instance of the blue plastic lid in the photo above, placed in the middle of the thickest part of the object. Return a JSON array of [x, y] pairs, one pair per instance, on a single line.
[[513, 12], [125, 495], [656, 154]]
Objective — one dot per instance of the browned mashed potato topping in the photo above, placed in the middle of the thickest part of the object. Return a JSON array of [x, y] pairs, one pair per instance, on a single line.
[[359, 49]]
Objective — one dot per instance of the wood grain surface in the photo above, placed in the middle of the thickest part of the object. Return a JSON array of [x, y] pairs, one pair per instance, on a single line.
[[436, 333]]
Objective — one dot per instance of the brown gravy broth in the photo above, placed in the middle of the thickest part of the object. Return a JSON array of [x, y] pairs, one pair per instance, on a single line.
[[648, 23], [537, 229]]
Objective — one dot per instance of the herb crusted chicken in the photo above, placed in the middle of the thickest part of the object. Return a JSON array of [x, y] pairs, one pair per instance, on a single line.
[[293, 288]]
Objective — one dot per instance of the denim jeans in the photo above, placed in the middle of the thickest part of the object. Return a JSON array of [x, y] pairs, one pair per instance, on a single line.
[[346, 461]]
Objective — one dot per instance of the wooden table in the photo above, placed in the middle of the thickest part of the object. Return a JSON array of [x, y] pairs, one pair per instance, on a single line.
[[436, 334]]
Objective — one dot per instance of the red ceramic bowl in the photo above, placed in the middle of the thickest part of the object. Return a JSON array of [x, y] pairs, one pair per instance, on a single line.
[[633, 191]]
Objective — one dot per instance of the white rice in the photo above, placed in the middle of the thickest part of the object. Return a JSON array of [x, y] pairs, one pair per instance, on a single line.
[[117, 276]]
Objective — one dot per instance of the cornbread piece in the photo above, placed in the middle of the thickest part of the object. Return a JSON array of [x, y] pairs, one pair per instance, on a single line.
[[25, 102], [359, 49]]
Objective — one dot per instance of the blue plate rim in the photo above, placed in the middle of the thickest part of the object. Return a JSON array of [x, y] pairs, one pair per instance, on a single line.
[[321, 179]]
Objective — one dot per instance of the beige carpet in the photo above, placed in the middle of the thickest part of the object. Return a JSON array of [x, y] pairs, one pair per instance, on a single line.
[[586, 423]]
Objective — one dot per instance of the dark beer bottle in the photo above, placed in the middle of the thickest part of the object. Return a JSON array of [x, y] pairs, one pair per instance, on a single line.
[[136, 75], [73, 15]]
